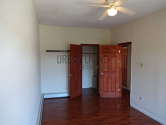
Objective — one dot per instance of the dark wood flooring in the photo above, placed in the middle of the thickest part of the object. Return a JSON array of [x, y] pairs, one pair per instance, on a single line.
[[90, 109]]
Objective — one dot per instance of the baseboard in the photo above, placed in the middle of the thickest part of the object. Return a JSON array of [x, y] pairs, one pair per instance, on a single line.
[[39, 119], [56, 95], [150, 114]]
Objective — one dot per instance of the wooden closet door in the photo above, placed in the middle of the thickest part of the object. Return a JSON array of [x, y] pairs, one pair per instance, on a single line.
[[110, 71], [75, 70]]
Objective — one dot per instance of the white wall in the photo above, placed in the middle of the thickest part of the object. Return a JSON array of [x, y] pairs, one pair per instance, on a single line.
[[148, 36], [19, 65], [55, 76]]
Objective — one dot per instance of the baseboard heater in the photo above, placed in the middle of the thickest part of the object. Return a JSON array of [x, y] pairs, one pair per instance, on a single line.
[[56, 95]]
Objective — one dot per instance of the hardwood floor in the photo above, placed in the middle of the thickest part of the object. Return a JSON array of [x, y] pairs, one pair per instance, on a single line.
[[92, 110]]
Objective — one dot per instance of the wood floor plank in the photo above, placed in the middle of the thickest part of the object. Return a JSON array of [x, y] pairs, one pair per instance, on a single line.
[[90, 109]]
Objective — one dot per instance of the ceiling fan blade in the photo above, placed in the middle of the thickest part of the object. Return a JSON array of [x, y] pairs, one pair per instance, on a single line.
[[102, 1], [103, 16], [117, 3], [126, 11], [103, 6], [121, 0], [97, 2]]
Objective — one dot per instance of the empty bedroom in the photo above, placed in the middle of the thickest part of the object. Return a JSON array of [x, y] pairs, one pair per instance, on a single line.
[[83, 62]]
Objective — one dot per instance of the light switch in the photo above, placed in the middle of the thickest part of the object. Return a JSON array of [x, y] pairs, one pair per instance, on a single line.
[[141, 65]]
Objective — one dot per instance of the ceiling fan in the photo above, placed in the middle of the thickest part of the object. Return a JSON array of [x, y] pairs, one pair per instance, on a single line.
[[112, 8]]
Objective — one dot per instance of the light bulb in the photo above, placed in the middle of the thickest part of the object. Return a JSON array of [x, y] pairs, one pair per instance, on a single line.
[[112, 12]]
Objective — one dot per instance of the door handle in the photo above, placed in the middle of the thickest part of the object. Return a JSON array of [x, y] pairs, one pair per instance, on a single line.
[[119, 90]]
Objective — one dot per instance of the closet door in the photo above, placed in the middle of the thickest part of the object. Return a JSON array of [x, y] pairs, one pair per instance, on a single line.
[[110, 71], [75, 71]]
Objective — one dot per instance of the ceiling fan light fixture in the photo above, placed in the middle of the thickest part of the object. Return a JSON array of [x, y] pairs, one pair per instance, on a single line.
[[112, 12]]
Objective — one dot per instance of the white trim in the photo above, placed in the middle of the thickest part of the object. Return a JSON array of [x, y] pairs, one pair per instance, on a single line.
[[150, 114], [39, 118], [55, 95]]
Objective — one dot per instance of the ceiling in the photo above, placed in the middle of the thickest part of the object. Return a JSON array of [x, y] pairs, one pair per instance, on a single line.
[[78, 13]]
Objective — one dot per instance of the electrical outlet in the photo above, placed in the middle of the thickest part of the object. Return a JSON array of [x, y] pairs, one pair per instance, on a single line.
[[139, 98]]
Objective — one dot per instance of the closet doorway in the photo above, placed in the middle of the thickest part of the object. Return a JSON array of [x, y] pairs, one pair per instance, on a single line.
[[96, 67], [90, 69]]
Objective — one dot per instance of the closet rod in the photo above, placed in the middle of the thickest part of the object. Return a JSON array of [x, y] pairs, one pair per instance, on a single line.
[[57, 50], [68, 51]]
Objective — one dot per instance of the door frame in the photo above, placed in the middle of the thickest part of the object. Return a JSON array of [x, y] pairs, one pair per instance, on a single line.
[[128, 45], [125, 44]]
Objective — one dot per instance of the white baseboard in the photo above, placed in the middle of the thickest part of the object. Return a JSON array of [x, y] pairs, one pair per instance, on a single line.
[[56, 95], [39, 119], [150, 114]]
